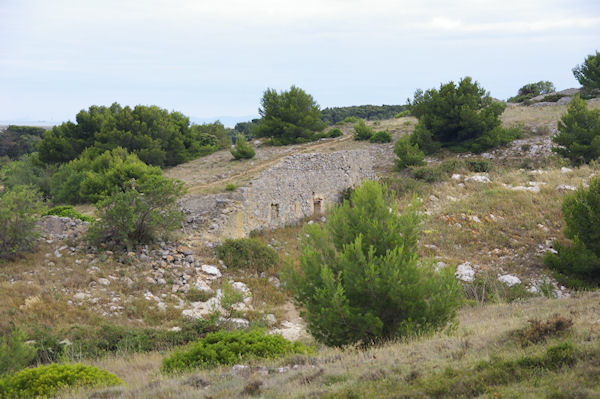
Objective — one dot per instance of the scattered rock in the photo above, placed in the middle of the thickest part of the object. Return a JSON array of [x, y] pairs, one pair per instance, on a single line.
[[509, 280], [212, 271], [103, 281], [465, 272], [480, 178]]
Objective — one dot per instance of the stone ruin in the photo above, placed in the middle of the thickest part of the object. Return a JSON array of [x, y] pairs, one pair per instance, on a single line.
[[298, 187]]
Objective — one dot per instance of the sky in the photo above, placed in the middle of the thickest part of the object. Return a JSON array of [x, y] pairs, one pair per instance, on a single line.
[[214, 59]]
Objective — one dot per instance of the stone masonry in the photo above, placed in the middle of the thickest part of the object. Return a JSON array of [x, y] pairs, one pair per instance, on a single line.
[[299, 186]]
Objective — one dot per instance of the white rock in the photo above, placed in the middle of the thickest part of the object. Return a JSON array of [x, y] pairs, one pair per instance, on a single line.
[[103, 281], [474, 219], [239, 323], [242, 288], [465, 272], [202, 285], [456, 176], [479, 179], [533, 289], [565, 170], [238, 368], [509, 280], [212, 271], [565, 187], [275, 281], [439, 266], [81, 296], [176, 329], [270, 319], [289, 330]]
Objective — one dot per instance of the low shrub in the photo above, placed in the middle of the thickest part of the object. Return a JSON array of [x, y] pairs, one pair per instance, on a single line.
[[479, 165], [20, 208], [362, 131], [46, 381], [69, 212], [15, 354], [229, 347], [138, 215], [408, 154], [335, 132], [104, 339], [402, 114], [242, 150], [244, 253], [381, 137], [230, 187], [538, 331], [348, 119]]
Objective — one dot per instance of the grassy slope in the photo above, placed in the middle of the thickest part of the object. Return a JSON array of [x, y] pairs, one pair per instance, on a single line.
[[510, 243]]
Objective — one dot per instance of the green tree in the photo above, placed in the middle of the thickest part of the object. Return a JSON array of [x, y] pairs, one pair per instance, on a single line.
[[461, 117], [360, 279], [242, 149], [578, 264], [579, 133], [288, 117], [141, 214], [588, 74], [531, 90], [20, 208]]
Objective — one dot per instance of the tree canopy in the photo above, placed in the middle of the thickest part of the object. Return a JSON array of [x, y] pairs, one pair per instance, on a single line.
[[588, 73], [334, 115], [288, 117], [461, 117], [531, 90], [157, 136]]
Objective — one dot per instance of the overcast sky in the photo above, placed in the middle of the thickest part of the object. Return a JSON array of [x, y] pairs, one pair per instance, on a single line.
[[215, 58]]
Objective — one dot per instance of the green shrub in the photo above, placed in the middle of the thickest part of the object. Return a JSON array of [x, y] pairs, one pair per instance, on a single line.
[[226, 348], [578, 264], [28, 171], [20, 208], [230, 187], [15, 354], [402, 114], [579, 133], [16, 141], [247, 253], [362, 131], [348, 119], [408, 154], [46, 381], [242, 150], [461, 117], [479, 165], [533, 90], [94, 341], [69, 212], [360, 279], [335, 132], [138, 215], [381, 137], [91, 177]]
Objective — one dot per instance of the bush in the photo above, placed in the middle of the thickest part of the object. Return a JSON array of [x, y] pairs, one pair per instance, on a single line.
[[335, 132], [69, 212], [45, 381], [408, 154], [339, 115], [579, 264], [579, 133], [157, 136], [94, 341], [288, 117], [140, 214], [360, 279], [19, 211], [381, 137], [230, 187], [362, 131], [16, 141], [226, 348], [533, 90], [28, 171], [15, 354], [588, 74], [91, 178], [242, 149], [244, 253], [461, 117]]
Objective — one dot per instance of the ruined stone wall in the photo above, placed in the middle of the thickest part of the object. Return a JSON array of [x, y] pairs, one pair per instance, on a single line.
[[299, 186]]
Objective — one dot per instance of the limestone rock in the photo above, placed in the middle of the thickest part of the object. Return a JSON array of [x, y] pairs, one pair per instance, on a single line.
[[465, 272]]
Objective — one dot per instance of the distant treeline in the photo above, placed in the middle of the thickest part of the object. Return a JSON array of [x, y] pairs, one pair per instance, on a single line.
[[368, 112], [19, 140]]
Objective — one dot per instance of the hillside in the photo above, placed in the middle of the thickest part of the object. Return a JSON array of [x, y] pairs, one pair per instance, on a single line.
[[496, 221]]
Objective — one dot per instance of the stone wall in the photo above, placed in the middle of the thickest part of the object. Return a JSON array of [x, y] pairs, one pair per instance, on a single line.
[[299, 186]]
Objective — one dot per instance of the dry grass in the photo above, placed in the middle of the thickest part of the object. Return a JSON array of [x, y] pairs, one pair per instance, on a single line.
[[482, 332]]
